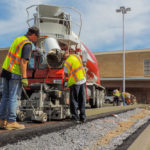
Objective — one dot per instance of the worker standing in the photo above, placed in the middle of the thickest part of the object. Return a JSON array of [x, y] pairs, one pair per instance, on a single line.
[[74, 69], [133, 99], [123, 97], [116, 95], [14, 75]]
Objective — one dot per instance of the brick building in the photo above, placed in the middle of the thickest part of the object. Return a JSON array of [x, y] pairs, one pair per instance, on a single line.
[[137, 72]]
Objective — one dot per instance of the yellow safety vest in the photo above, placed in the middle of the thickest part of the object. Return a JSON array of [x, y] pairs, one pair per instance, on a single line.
[[116, 93], [13, 58], [75, 68], [123, 94], [126, 95]]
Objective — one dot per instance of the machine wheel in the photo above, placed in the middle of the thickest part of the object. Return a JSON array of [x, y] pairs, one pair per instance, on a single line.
[[21, 116], [44, 117]]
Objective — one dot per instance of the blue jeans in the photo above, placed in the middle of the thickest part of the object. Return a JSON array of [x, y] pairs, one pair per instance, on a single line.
[[123, 99], [11, 91], [77, 101]]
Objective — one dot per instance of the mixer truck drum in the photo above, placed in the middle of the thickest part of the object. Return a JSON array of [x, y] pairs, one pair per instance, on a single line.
[[54, 59]]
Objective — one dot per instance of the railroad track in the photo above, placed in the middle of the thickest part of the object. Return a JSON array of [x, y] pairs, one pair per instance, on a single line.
[[38, 129]]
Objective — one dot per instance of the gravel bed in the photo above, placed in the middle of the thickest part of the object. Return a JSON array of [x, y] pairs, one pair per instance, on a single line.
[[82, 136]]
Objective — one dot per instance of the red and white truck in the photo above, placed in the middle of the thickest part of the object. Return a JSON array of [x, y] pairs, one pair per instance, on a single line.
[[47, 97]]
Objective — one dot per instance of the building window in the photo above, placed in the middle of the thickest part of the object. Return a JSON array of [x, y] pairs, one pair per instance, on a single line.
[[147, 67]]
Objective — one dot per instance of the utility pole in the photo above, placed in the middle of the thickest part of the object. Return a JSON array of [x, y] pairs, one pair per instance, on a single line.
[[123, 10]]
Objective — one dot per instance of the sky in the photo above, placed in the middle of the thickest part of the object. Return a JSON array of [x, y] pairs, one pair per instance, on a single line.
[[101, 25]]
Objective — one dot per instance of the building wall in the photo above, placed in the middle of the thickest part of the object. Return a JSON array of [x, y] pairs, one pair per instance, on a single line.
[[111, 64]]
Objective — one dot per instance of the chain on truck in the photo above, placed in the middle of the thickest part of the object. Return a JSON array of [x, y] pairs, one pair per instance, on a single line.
[[47, 96]]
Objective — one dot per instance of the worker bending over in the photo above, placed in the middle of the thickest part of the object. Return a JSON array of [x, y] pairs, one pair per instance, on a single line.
[[74, 69], [14, 75], [126, 98]]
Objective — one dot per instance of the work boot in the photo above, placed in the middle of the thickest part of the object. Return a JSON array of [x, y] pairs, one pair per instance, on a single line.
[[83, 120], [14, 126], [3, 124], [75, 120]]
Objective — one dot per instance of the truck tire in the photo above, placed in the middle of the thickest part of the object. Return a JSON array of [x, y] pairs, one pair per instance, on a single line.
[[102, 97], [97, 100], [93, 99]]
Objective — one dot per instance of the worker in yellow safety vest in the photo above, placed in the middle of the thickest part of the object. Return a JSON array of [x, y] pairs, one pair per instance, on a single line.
[[14, 75], [116, 95], [126, 98], [123, 98], [74, 69]]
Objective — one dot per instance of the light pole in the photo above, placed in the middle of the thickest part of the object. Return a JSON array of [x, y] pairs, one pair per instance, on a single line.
[[123, 10]]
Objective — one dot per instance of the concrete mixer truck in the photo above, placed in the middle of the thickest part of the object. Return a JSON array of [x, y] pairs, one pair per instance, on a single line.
[[47, 96]]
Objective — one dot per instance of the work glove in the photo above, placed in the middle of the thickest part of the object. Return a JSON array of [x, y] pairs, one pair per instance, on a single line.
[[24, 82]]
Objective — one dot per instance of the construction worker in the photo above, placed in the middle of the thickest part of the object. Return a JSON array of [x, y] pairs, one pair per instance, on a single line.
[[126, 98], [116, 95], [123, 94], [133, 99], [74, 69], [14, 75]]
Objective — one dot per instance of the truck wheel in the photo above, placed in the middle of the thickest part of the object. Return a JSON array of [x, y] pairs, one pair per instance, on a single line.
[[101, 97], [44, 117], [97, 102], [93, 99]]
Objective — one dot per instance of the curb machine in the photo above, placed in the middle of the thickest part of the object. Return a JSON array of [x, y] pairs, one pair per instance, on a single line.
[[47, 97]]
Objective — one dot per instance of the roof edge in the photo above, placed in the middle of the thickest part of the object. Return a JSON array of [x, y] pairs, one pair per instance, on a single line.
[[121, 51]]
